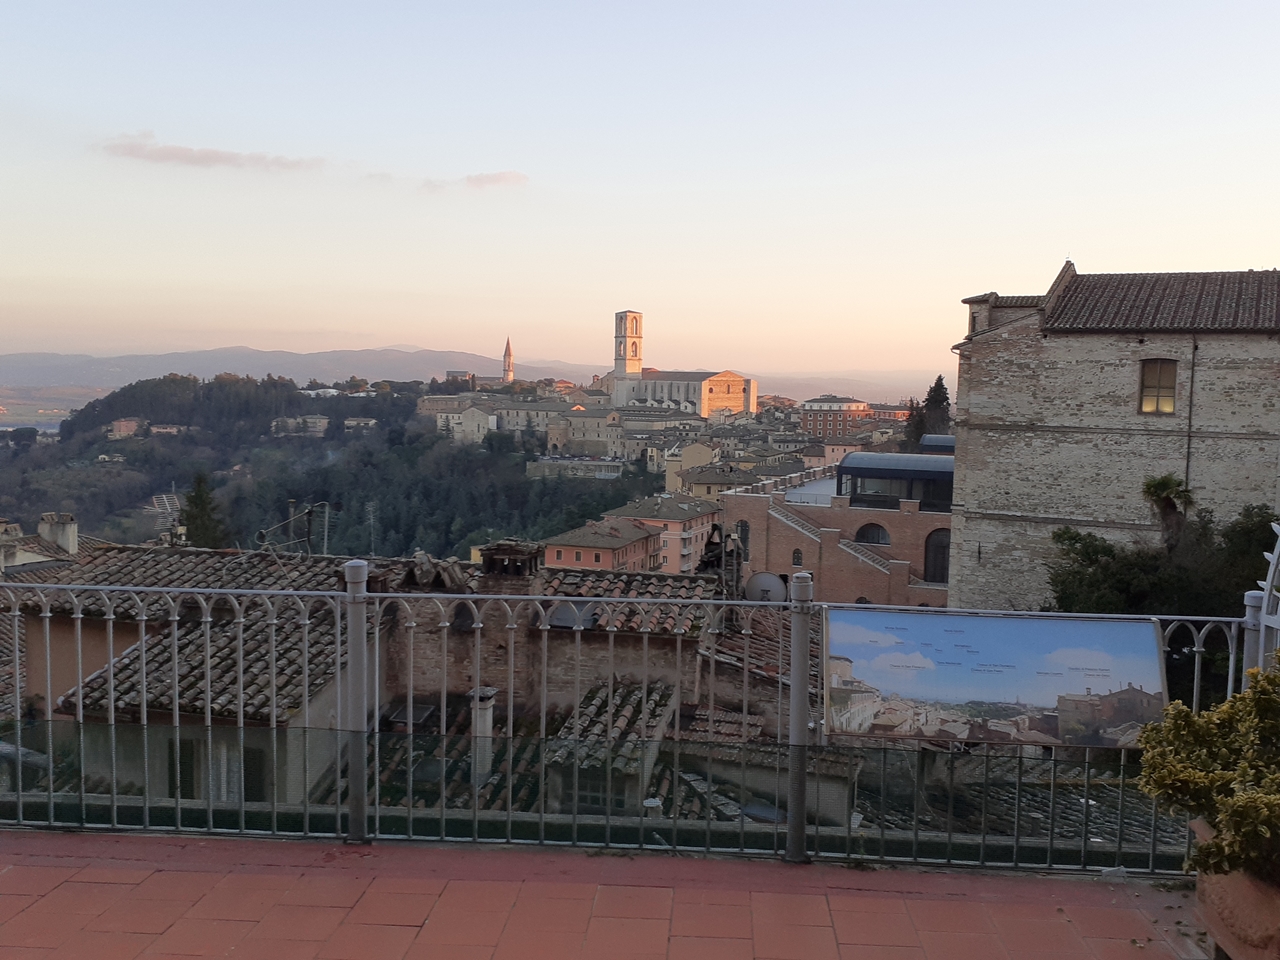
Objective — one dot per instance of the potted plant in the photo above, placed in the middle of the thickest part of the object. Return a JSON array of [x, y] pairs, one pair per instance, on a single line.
[[1222, 766]]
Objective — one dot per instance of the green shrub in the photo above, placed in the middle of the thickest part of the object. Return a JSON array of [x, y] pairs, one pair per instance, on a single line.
[[1223, 765]]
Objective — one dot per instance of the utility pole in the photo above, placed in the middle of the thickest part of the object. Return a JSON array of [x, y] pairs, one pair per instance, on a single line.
[[371, 512]]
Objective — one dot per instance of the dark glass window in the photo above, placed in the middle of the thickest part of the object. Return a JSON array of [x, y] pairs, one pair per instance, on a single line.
[[872, 533], [937, 556], [797, 558], [1159, 378]]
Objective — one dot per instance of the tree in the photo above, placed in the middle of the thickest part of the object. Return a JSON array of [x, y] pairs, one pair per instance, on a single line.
[[937, 408], [200, 516], [915, 425], [1171, 499]]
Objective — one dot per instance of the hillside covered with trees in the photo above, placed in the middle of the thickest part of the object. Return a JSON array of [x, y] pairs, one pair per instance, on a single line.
[[391, 490]]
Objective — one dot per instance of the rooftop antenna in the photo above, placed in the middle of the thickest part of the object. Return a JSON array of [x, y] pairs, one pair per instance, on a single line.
[[371, 512]]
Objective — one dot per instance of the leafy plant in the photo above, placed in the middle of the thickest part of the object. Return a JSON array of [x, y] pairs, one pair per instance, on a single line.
[[1223, 765]]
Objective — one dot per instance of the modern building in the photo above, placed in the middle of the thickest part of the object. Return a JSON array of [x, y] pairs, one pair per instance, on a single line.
[[874, 529], [614, 543], [684, 524], [700, 392], [1067, 401]]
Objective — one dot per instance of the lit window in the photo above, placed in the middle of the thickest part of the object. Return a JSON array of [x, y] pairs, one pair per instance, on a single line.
[[1159, 377]]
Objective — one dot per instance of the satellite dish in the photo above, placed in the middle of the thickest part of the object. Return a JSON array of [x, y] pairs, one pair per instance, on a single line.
[[765, 588]]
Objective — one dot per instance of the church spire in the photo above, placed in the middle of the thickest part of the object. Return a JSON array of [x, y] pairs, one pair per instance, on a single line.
[[508, 363]]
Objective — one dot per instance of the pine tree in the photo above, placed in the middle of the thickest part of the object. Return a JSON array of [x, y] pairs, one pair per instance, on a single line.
[[200, 516], [937, 408]]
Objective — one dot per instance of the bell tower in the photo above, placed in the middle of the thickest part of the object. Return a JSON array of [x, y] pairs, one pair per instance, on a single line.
[[628, 337]]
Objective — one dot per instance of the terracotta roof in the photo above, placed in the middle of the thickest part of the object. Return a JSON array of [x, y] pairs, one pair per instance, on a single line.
[[609, 585], [1240, 301], [998, 301], [608, 534], [665, 506], [717, 473]]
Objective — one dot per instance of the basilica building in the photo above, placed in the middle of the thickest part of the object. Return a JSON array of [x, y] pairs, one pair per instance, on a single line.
[[694, 391]]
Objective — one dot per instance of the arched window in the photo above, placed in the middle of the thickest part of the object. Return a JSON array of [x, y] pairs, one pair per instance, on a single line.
[[937, 556], [797, 558], [872, 533], [862, 600], [635, 349]]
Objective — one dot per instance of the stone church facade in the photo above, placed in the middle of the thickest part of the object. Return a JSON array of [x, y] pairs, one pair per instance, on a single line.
[[694, 391], [1067, 402]]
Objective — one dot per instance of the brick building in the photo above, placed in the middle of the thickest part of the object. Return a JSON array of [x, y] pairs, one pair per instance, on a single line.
[[874, 529], [682, 523], [1067, 401], [829, 418]]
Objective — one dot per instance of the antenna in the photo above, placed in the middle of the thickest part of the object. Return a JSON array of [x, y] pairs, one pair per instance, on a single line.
[[371, 512]]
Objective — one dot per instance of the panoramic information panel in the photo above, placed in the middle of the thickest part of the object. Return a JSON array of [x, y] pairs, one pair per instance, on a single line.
[[972, 677]]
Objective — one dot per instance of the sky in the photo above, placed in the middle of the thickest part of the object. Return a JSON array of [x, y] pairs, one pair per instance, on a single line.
[[805, 187], [956, 658]]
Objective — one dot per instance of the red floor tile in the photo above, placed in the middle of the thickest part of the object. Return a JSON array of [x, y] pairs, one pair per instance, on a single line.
[[626, 935], [1108, 949], [778, 941], [175, 885], [235, 903], [943, 945], [537, 890], [711, 920], [740, 898], [352, 941], [202, 938], [86, 898], [396, 909], [12, 904], [111, 875], [252, 949], [1028, 936], [562, 915], [1110, 923], [647, 903], [47, 930], [539, 944], [1024, 911], [479, 896], [710, 948], [295, 921], [34, 881], [857, 951], [102, 946], [875, 929], [322, 891], [139, 916], [944, 916], [256, 880], [23, 953], [421, 887], [449, 951], [790, 908], [862, 903], [463, 928]]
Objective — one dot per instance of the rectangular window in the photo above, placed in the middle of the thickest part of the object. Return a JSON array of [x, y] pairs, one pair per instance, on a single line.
[[559, 554], [597, 558], [1159, 377], [577, 555]]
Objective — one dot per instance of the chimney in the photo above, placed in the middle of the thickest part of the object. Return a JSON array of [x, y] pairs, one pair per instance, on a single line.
[[481, 734], [60, 530]]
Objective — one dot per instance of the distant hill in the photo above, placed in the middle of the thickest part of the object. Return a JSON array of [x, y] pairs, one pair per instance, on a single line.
[[32, 370]]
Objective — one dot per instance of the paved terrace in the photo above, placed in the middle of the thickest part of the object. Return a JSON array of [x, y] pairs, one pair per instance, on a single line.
[[115, 897]]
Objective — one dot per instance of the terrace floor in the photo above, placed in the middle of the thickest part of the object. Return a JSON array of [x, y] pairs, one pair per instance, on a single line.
[[114, 897]]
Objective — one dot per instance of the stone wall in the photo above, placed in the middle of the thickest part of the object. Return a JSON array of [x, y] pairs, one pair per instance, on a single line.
[[1049, 434]]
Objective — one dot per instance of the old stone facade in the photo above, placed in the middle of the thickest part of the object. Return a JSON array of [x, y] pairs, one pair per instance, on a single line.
[[1066, 402]]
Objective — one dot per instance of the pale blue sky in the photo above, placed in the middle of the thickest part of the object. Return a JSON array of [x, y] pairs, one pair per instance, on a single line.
[[776, 186]]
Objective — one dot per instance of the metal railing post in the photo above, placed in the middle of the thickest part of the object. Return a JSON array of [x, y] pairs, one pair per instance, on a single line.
[[798, 739], [1252, 654], [356, 712]]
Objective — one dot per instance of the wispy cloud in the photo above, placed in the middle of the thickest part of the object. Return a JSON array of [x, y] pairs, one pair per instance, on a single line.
[[480, 181], [144, 146]]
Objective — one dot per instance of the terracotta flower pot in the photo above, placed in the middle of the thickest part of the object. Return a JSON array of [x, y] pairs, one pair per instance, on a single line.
[[1241, 913]]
